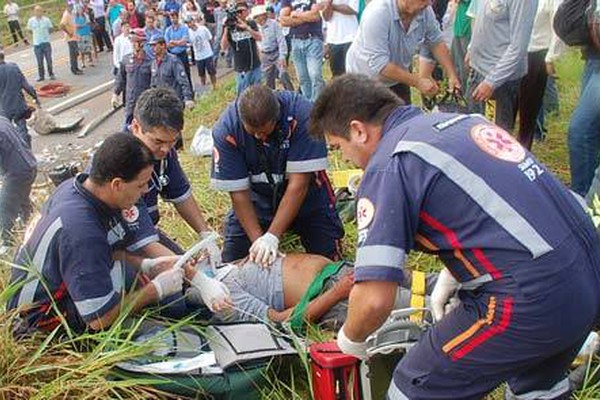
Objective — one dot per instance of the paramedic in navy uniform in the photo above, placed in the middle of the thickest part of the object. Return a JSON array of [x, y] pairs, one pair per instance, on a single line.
[[87, 230], [516, 243], [158, 122], [275, 175]]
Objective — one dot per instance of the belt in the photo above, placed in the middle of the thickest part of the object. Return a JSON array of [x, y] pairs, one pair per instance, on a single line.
[[304, 36]]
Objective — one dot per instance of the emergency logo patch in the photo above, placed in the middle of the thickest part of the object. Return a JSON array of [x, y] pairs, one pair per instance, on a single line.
[[498, 143], [130, 215], [365, 211]]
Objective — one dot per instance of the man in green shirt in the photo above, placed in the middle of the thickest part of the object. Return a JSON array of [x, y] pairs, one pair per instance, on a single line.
[[462, 37]]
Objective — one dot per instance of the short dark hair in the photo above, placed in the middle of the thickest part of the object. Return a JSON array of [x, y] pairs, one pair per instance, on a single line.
[[350, 97], [258, 105], [121, 155], [159, 107]]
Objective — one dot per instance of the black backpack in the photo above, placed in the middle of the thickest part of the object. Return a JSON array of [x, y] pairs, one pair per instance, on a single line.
[[577, 23]]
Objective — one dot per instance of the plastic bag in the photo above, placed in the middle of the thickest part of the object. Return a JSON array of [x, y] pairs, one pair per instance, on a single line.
[[202, 143]]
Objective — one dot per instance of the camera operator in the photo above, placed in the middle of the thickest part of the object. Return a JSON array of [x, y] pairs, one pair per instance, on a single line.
[[241, 36]]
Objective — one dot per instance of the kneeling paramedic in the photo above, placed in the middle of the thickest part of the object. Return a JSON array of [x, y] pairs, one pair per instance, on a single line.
[[71, 265], [517, 245], [275, 175], [158, 122]]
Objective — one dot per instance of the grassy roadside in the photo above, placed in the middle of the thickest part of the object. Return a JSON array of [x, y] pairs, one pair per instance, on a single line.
[[47, 369]]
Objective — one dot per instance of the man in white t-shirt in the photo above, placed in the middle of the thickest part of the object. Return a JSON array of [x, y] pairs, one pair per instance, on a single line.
[[200, 37], [11, 10], [122, 45], [342, 25]]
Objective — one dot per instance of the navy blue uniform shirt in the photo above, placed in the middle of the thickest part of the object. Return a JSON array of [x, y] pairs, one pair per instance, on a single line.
[[71, 246], [240, 161]]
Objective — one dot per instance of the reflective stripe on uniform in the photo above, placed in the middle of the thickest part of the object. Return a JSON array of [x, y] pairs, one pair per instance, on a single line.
[[394, 393], [230, 185], [28, 291], [562, 387], [90, 306], [490, 201], [263, 178], [380, 256], [298, 167]]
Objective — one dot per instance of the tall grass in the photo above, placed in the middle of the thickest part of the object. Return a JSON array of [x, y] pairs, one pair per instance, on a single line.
[[50, 368]]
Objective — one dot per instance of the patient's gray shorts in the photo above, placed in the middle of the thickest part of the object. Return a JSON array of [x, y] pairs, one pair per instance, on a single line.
[[254, 290]]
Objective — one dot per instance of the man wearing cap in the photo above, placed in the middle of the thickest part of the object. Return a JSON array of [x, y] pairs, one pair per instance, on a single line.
[[135, 70], [177, 38], [168, 71], [242, 37], [273, 48]]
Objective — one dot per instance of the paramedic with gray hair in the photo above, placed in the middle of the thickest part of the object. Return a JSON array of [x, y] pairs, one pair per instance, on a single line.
[[389, 35]]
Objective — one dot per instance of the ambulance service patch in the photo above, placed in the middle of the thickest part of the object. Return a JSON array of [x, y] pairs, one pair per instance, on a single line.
[[498, 143], [130, 215], [365, 211]]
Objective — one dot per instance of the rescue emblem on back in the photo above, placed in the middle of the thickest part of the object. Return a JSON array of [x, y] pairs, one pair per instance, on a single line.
[[498, 143]]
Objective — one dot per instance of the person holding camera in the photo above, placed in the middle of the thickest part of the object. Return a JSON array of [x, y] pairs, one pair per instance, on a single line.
[[242, 36]]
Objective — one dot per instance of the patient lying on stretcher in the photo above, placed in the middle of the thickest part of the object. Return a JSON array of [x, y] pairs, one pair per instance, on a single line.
[[270, 294]]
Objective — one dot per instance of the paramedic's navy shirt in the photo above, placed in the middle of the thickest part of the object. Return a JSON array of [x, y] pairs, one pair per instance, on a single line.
[[72, 247], [176, 190], [290, 149], [460, 187]]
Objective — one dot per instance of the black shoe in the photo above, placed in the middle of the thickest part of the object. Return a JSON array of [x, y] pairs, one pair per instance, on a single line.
[[40, 79], [78, 72], [52, 77]]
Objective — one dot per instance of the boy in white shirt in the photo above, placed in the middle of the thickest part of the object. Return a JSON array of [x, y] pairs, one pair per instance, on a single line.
[[200, 37], [11, 10]]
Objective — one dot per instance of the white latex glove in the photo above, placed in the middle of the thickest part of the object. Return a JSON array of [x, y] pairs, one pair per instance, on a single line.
[[164, 262], [264, 250], [212, 292], [356, 349], [444, 289], [115, 101], [168, 282], [214, 252], [189, 104]]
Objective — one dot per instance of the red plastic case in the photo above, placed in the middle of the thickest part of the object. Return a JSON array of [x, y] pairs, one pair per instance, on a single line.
[[334, 374]]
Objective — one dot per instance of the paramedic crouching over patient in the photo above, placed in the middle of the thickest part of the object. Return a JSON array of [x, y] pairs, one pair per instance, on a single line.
[[275, 175], [72, 262], [517, 245]]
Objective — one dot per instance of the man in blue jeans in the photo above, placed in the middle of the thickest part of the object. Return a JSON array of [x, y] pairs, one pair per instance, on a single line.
[[241, 37], [498, 56], [40, 27], [584, 129], [304, 21]]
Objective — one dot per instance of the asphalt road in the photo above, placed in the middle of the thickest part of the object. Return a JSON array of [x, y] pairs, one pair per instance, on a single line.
[[63, 147]]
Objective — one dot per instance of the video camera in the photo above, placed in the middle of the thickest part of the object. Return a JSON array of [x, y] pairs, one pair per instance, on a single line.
[[231, 19]]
